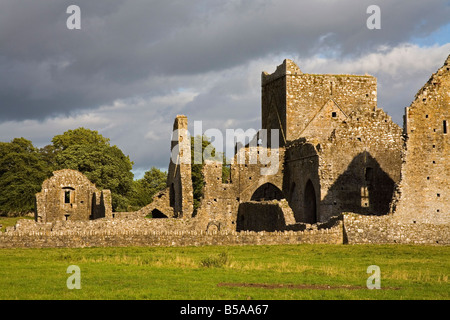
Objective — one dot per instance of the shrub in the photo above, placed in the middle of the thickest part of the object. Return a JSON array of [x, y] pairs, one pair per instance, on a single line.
[[215, 261]]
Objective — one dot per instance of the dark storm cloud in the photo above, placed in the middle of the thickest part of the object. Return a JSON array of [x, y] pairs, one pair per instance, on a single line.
[[123, 46]]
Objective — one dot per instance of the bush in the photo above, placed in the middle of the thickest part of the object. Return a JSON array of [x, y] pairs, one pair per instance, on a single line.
[[216, 261]]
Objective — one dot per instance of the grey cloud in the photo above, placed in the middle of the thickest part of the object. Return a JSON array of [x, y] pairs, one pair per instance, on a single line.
[[48, 70]]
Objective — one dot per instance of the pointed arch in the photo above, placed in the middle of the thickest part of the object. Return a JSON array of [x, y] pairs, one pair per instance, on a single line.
[[267, 191]]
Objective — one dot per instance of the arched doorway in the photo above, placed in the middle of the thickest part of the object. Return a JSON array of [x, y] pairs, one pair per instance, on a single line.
[[310, 205], [267, 191]]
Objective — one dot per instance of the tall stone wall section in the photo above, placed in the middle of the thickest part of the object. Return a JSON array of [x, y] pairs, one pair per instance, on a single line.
[[360, 165], [424, 191], [179, 179], [302, 165]]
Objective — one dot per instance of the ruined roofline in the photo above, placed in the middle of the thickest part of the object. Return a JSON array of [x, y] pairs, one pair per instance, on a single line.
[[62, 172], [290, 68], [432, 80]]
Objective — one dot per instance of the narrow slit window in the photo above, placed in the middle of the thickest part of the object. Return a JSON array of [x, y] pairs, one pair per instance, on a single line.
[[67, 196], [444, 125]]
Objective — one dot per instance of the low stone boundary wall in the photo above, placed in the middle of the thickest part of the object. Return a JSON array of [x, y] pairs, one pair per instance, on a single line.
[[388, 229], [122, 238], [350, 228]]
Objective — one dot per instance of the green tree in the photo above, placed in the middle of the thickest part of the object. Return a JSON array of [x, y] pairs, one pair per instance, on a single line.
[[144, 189], [22, 171], [90, 153], [80, 136]]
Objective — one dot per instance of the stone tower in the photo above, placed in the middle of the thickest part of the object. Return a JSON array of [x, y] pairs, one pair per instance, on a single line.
[[296, 103]]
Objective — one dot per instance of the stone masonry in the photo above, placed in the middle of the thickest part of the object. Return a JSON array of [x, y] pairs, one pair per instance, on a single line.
[[69, 195], [424, 190], [341, 172]]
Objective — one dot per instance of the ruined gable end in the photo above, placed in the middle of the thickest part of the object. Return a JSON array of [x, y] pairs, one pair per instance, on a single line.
[[425, 189], [69, 195]]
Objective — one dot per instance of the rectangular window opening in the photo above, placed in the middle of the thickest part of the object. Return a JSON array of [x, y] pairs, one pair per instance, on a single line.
[[67, 196], [444, 124], [226, 173]]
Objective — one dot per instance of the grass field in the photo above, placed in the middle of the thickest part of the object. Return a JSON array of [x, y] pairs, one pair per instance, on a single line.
[[245, 272]]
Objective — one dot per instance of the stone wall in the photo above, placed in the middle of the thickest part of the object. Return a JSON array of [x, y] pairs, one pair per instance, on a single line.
[[154, 232], [179, 179], [69, 195], [350, 228], [389, 229], [302, 168], [261, 216], [342, 152], [159, 207], [292, 99], [424, 190], [360, 165]]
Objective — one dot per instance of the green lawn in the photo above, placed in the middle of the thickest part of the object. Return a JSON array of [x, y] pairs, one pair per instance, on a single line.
[[239, 272]]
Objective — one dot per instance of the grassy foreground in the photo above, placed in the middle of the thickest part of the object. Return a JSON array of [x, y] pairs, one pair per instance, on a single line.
[[242, 272]]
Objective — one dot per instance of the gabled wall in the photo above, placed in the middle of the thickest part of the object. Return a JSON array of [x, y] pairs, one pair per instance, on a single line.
[[69, 195], [424, 191]]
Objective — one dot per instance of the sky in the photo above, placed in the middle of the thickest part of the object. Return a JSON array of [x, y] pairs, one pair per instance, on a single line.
[[134, 65]]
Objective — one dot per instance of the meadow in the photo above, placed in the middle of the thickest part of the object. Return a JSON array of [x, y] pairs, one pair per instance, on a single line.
[[281, 272]]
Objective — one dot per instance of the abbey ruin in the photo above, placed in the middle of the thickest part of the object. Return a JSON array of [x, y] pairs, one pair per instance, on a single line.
[[346, 173]]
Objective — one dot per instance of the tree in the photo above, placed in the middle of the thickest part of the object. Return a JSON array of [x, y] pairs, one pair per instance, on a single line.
[[80, 136], [90, 153], [22, 171], [144, 189]]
